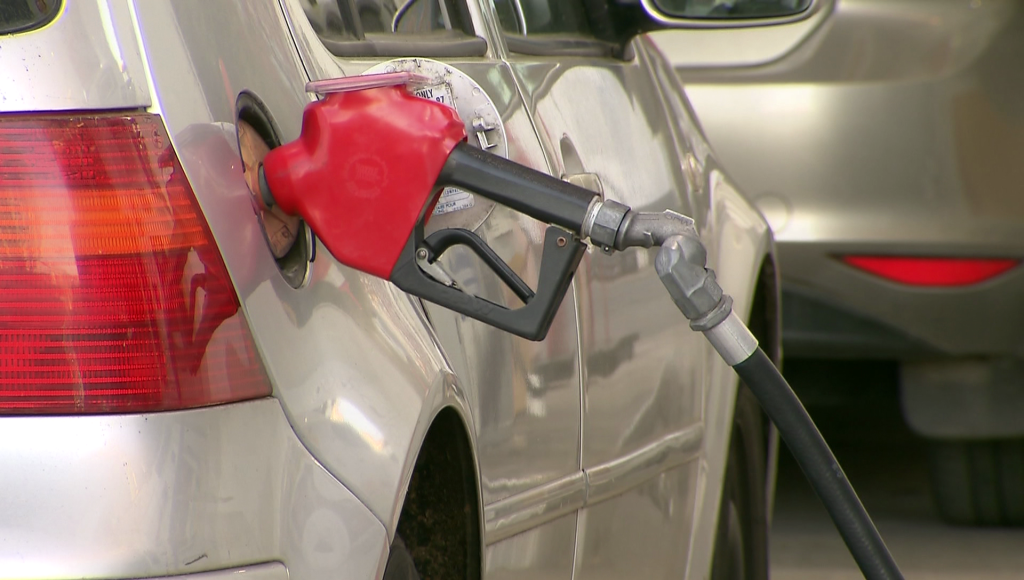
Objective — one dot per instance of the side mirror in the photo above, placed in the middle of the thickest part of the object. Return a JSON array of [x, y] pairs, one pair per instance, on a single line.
[[726, 13], [706, 34]]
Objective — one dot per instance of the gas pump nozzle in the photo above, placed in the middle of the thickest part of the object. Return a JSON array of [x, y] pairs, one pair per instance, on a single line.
[[366, 172]]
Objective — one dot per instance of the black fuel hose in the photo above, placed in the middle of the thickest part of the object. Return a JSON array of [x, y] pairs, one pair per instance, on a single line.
[[819, 466]]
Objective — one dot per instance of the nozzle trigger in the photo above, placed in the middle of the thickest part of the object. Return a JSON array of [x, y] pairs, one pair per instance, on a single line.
[[561, 255]]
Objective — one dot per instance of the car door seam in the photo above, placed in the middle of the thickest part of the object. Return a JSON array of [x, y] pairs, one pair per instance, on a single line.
[[532, 508]]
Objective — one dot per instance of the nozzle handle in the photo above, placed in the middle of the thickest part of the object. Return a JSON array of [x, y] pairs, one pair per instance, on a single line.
[[516, 186], [559, 259]]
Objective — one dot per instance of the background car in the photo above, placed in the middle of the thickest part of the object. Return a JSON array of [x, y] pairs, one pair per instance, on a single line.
[[190, 385], [882, 141]]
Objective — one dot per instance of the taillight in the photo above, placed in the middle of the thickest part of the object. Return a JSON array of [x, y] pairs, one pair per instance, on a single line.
[[937, 272], [113, 294]]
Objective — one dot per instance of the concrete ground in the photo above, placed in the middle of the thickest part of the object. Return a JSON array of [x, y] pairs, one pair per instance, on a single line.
[[856, 408]]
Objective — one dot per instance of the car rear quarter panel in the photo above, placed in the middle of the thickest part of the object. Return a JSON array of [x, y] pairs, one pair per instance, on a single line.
[[351, 358], [175, 493]]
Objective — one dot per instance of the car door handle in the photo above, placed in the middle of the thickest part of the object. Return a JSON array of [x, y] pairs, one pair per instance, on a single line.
[[587, 181]]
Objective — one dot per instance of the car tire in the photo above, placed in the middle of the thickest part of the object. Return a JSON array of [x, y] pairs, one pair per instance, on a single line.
[[978, 482], [741, 541], [400, 565]]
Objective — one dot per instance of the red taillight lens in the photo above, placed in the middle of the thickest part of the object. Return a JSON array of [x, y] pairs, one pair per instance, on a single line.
[[113, 295], [938, 272]]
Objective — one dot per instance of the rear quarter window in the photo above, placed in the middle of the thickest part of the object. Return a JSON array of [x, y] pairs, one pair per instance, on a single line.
[[25, 15], [369, 28]]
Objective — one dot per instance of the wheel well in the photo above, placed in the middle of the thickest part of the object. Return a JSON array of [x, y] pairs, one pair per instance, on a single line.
[[440, 521], [764, 312], [765, 325]]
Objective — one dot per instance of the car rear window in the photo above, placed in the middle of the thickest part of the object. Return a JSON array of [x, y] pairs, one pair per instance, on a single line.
[[24, 15]]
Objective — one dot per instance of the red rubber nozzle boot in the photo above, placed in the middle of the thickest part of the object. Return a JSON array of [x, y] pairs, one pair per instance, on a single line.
[[363, 171]]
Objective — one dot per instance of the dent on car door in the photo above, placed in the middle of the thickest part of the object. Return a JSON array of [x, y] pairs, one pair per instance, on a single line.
[[604, 122], [523, 396]]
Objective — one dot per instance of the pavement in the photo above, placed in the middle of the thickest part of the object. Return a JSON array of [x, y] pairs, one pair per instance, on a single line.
[[856, 407]]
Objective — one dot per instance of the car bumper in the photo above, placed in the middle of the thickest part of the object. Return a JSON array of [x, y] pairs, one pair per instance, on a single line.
[[833, 310], [815, 327], [226, 490]]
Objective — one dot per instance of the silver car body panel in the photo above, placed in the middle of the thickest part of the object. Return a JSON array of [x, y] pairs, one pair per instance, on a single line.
[[542, 552], [87, 58], [892, 129], [364, 436], [673, 412], [175, 493], [643, 533]]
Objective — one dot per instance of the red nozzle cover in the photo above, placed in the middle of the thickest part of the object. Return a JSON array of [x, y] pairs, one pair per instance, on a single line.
[[363, 171]]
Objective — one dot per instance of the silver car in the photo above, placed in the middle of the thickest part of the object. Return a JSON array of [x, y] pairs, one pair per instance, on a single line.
[[192, 387], [883, 141]]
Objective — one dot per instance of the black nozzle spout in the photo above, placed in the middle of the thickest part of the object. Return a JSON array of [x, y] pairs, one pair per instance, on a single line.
[[525, 190], [266, 198]]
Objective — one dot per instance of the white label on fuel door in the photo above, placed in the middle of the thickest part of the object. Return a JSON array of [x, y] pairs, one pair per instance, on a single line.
[[449, 86], [441, 93], [453, 199]]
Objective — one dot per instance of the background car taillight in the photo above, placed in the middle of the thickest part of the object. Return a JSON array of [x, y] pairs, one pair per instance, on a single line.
[[930, 271], [113, 294]]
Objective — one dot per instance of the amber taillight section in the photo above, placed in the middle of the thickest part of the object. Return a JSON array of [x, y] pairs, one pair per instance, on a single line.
[[113, 295]]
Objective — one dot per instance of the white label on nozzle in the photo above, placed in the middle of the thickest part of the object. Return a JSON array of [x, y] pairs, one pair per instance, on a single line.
[[453, 199]]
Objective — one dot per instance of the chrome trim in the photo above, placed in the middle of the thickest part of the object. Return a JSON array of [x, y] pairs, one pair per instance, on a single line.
[[400, 13], [732, 339], [269, 571], [444, 15], [408, 4], [591, 215], [485, 25], [520, 15], [624, 473], [676, 22], [583, 371], [532, 508]]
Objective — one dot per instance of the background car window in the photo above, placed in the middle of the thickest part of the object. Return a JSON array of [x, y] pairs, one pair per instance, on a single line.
[[22, 15], [724, 9], [354, 19], [543, 17]]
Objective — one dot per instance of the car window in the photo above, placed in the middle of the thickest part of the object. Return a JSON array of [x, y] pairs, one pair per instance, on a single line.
[[359, 19], [536, 17], [23, 15], [725, 9], [558, 28]]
